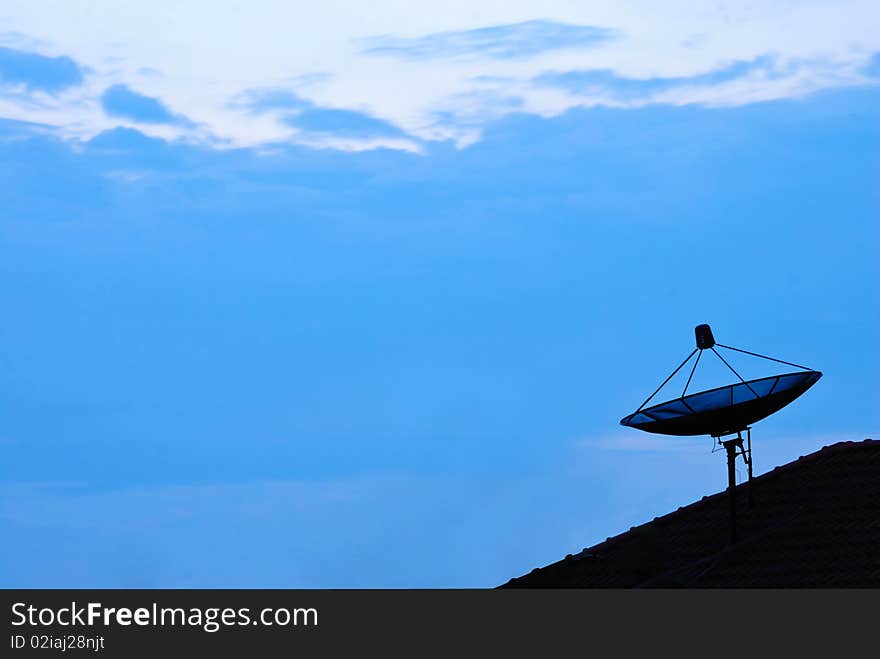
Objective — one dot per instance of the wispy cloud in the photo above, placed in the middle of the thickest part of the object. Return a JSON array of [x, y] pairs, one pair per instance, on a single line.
[[443, 75], [872, 68], [149, 72], [344, 123], [639, 443], [16, 39], [38, 72], [120, 101], [607, 82], [268, 99], [516, 40]]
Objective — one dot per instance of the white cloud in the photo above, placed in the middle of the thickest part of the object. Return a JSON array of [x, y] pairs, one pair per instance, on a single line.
[[198, 56]]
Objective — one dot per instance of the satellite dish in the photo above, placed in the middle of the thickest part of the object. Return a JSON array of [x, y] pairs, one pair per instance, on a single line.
[[723, 411]]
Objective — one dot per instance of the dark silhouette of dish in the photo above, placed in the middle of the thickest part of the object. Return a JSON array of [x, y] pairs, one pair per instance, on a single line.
[[723, 410]]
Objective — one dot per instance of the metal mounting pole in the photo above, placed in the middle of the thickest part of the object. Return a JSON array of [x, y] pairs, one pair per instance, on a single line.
[[731, 445], [749, 463]]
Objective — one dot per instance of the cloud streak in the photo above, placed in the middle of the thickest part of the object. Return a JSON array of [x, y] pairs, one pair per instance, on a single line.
[[607, 82], [261, 101], [513, 41], [344, 123], [872, 68]]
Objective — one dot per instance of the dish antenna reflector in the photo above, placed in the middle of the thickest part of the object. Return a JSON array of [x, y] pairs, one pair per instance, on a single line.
[[726, 411]]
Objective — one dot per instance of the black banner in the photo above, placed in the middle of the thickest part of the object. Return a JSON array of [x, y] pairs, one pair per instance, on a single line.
[[169, 623]]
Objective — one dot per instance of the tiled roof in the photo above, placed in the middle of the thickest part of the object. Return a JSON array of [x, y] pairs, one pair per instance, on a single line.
[[815, 522]]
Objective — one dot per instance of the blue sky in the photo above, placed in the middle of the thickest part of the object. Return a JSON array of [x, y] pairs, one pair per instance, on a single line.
[[36, 71], [118, 101], [361, 353]]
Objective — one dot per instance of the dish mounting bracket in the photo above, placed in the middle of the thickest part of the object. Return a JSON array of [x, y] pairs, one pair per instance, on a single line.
[[736, 446]]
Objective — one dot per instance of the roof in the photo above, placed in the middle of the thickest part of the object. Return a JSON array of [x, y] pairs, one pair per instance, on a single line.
[[815, 523]]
